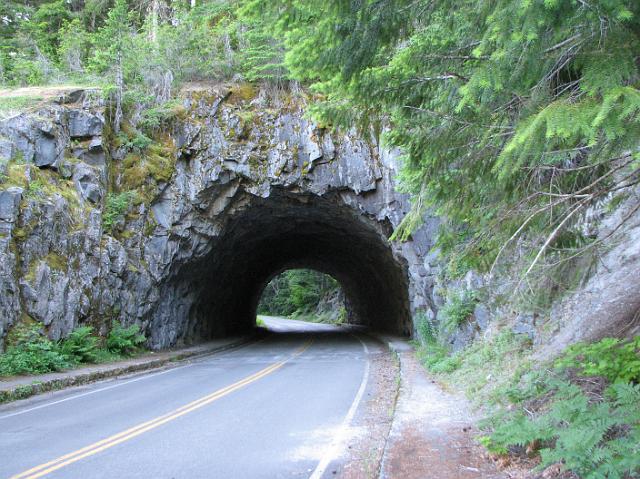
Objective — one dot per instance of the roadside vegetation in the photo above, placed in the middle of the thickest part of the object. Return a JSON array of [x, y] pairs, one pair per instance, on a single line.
[[303, 294], [578, 414], [29, 351]]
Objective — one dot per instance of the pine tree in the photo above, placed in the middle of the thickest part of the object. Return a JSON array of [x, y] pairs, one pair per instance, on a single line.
[[511, 115]]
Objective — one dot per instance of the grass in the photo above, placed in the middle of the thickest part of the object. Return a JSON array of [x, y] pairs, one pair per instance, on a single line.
[[13, 105], [484, 370]]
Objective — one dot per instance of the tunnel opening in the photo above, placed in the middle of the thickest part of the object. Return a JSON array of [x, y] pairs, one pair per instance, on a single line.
[[261, 237], [304, 295]]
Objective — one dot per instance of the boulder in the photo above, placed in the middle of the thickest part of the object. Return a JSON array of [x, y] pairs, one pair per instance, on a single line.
[[10, 204], [87, 183], [83, 124]]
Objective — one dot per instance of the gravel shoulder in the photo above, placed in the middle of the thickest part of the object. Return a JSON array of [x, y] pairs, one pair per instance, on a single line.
[[432, 435]]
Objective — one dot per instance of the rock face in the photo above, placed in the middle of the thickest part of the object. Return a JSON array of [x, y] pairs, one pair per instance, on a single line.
[[242, 190], [180, 230]]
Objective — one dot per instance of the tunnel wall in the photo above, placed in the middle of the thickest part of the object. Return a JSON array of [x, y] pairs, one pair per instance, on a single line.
[[256, 188]]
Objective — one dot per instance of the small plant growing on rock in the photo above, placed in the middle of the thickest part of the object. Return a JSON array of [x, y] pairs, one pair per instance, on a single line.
[[115, 207], [458, 309]]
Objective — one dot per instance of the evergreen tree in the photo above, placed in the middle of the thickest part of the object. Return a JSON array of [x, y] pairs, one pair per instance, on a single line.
[[512, 115]]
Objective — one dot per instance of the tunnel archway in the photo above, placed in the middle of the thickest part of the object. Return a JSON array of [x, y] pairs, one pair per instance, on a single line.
[[287, 230]]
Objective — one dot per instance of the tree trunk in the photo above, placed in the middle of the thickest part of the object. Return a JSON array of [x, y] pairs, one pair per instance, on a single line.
[[119, 91]]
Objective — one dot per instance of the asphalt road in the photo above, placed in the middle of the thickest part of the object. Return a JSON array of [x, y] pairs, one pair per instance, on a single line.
[[277, 408]]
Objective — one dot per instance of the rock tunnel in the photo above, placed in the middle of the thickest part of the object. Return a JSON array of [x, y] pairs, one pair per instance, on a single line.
[[253, 188], [293, 230]]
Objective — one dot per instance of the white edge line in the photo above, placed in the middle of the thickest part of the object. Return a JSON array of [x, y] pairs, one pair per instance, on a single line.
[[146, 376], [337, 444], [124, 383]]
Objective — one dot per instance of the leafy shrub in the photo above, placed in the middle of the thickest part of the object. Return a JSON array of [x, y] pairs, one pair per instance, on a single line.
[[125, 341], [27, 72], [139, 142], [459, 307], [80, 346], [592, 439], [611, 358], [152, 119], [33, 353]]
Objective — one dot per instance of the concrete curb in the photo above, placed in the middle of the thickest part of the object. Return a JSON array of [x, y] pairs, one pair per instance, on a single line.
[[396, 346], [69, 379]]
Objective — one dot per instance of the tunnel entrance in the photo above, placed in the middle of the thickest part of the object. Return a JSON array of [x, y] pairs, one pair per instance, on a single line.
[[263, 236], [305, 295]]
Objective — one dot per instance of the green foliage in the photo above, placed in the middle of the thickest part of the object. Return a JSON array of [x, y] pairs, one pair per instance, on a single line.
[[81, 346], [593, 434], [611, 358], [74, 47], [296, 292], [113, 42], [32, 353], [125, 341], [437, 359], [137, 142], [486, 370], [458, 309], [592, 439], [158, 117], [154, 45], [116, 206], [427, 334], [511, 115]]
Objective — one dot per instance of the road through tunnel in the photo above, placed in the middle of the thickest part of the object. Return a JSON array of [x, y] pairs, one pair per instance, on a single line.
[[270, 235]]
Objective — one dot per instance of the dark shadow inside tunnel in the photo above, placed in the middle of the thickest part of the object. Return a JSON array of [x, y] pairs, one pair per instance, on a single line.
[[266, 236]]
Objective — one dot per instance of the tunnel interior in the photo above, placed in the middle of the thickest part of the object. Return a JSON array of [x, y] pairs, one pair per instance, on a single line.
[[266, 236]]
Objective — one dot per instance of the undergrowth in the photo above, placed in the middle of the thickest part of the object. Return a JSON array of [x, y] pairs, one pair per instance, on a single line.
[[31, 352], [580, 412], [458, 309]]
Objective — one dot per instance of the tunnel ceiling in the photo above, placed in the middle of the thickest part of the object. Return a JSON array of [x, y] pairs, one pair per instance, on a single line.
[[287, 230]]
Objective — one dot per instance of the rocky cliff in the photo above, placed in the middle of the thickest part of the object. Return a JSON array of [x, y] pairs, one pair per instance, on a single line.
[[178, 221]]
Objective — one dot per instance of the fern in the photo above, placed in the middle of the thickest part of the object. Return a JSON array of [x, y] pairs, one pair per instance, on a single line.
[[593, 438]]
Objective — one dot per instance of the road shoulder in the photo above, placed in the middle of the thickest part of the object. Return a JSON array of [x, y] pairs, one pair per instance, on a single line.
[[433, 431]]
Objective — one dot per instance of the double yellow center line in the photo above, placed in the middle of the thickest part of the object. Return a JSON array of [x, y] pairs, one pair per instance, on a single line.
[[95, 448]]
